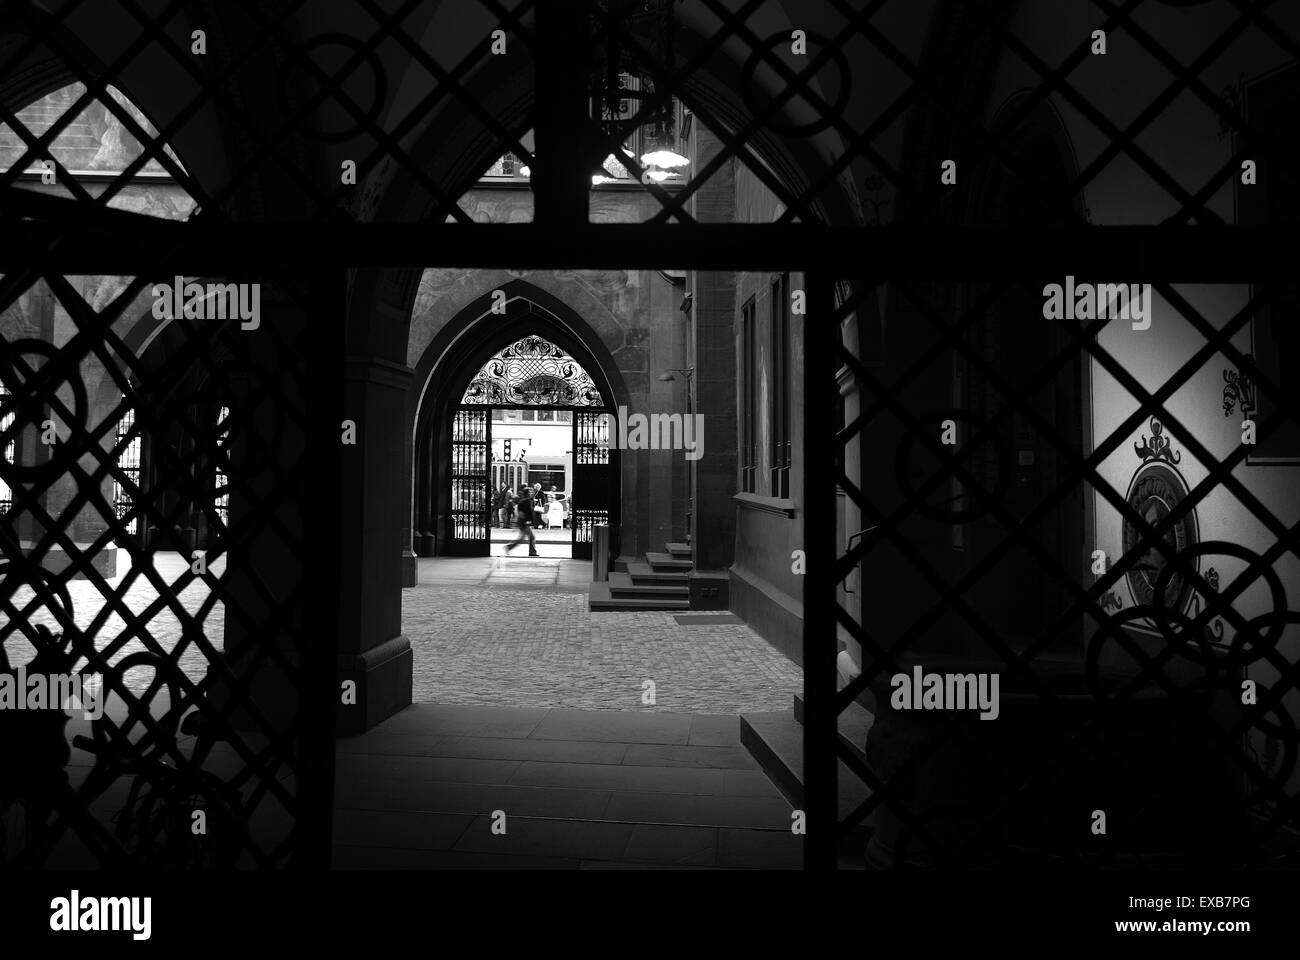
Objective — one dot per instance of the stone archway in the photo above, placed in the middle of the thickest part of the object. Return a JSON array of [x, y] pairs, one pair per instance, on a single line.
[[459, 350]]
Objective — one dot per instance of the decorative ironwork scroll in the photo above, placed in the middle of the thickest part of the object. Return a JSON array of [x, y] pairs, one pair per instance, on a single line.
[[533, 372]]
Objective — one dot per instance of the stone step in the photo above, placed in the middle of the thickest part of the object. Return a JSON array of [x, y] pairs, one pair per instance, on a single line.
[[622, 585], [642, 573], [775, 740], [600, 598], [854, 725], [680, 550], [662, 562]]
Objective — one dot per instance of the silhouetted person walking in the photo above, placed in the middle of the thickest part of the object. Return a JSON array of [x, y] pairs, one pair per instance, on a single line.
[[524, 518]]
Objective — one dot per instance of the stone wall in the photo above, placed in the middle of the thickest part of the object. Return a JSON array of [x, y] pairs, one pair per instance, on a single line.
[[634, 316]]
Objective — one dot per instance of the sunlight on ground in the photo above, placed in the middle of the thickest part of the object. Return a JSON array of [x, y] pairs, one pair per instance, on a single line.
[[90, 608]]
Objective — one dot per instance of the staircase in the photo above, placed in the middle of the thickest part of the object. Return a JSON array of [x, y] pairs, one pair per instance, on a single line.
[[657, 583]]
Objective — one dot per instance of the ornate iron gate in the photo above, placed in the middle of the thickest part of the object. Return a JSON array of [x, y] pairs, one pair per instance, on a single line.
[[471, 490], [595, 475]]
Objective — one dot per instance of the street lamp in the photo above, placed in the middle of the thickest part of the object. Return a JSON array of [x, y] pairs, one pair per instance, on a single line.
[[668, 376]]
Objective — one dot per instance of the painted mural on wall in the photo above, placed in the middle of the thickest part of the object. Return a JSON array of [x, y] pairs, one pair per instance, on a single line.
[[1206, 410], [1238, 614], [95, 140]]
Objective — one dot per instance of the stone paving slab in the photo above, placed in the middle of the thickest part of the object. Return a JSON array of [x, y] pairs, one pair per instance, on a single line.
[[714, 731], [631, 727], [629, 779], [673, 845], [503, 571], [601, 787], [469, 798], [353, 857], [632, 865], [760, 849], [674, 755], [485, 748], [406, 830], [524, 836], [447, 719], [771, 813], [458, 770]]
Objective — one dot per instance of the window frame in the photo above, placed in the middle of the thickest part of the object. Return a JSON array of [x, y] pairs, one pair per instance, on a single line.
[[749, 396]]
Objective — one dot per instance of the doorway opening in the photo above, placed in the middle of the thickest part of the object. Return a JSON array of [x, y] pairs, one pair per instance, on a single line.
[[532, 463], [529, 456]]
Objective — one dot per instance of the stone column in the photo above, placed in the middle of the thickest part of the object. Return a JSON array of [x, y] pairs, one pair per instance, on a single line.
[[374, 542], [43, 317], [713, 480]]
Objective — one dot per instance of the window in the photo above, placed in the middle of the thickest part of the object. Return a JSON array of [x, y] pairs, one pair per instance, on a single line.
[[548, 473], [10, 446], [749, 398], [766, 445], [664, 128], [128, 462], [780, 380], [513, 473]]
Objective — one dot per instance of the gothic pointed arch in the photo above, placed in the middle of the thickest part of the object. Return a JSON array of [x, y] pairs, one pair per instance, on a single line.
[[448, 369]]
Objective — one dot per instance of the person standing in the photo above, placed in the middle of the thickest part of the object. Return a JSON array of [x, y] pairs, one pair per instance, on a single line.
[[524, 519], [539, 502], [500, 506]]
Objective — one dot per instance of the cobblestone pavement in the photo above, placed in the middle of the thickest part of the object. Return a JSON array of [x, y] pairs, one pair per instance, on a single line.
[[139, 593], [479, 637], [506, 632]]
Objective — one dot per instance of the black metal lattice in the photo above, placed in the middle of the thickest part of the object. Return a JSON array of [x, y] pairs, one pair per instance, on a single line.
[[933, 253], [179, 720]]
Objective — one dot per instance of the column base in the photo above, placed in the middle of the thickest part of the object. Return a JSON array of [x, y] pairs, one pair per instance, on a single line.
[[410, 574], [383, 677]]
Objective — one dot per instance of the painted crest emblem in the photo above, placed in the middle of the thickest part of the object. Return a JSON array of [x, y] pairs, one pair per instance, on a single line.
[[1155, 492]]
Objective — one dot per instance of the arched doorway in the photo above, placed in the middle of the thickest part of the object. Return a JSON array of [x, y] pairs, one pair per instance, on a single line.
[[489, 398], [530, 391]]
